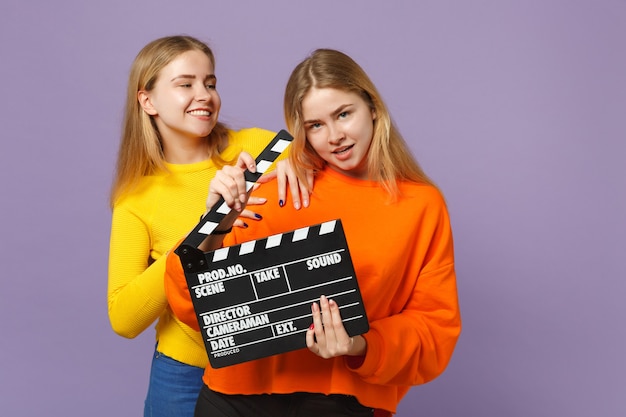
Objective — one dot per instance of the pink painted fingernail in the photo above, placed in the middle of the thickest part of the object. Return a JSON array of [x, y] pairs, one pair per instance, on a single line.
[[312, 326]]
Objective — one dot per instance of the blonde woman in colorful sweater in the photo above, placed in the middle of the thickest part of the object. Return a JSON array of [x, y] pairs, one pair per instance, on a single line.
[[398, 231], [171, 147]]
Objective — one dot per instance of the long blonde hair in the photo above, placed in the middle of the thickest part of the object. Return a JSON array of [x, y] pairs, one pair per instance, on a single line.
[[141, 151], [389, 158]]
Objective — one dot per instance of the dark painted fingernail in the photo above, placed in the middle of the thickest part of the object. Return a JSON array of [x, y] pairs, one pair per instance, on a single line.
[[281, 203], [258, 216], [245, 225]]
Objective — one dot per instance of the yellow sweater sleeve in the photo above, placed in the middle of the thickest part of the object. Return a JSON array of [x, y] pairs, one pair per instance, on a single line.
[[136, 294]]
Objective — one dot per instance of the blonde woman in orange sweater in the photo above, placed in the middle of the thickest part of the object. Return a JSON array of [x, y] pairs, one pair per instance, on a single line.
[[398, 231]]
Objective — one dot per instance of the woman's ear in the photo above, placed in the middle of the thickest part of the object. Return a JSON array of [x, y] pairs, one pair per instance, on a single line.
[[143, 97], [373, 114]]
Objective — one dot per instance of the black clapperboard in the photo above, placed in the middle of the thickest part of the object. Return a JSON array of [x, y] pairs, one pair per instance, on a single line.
[[253, 300]]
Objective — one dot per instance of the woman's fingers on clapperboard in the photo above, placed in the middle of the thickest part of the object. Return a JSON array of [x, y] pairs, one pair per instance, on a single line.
[[315, 334], [246, 161], [340, 342], [229, 183], [330, 334], [213, 197], [327, 336]]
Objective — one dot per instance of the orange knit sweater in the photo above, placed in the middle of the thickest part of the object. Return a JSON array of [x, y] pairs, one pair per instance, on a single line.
[[404, 263]]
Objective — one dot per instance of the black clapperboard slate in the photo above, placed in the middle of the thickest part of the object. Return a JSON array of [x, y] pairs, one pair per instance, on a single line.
[[253, 300]]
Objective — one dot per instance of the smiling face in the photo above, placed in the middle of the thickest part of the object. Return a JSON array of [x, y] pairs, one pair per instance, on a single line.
[[184, 102], [339, 125]]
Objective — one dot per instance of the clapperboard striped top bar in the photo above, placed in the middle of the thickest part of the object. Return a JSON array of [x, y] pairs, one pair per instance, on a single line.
[[212, 220], [274, 240]]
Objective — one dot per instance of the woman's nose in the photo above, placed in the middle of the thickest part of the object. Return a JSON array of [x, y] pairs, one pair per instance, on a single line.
[[203, 94], [335, 134]]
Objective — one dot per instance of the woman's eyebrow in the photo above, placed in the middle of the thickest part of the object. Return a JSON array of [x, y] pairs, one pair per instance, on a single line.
[[193, 77]]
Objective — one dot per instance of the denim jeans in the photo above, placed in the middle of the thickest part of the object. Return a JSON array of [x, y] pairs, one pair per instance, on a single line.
[[173, 389]]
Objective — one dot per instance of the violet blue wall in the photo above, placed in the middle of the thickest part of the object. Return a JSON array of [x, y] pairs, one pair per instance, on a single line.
[[516, 108]]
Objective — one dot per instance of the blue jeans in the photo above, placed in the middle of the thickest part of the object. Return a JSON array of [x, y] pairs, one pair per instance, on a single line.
[[173, 389]]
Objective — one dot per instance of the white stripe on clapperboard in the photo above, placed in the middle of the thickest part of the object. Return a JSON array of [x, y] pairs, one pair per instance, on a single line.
[[274, 240], [262, 166]]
